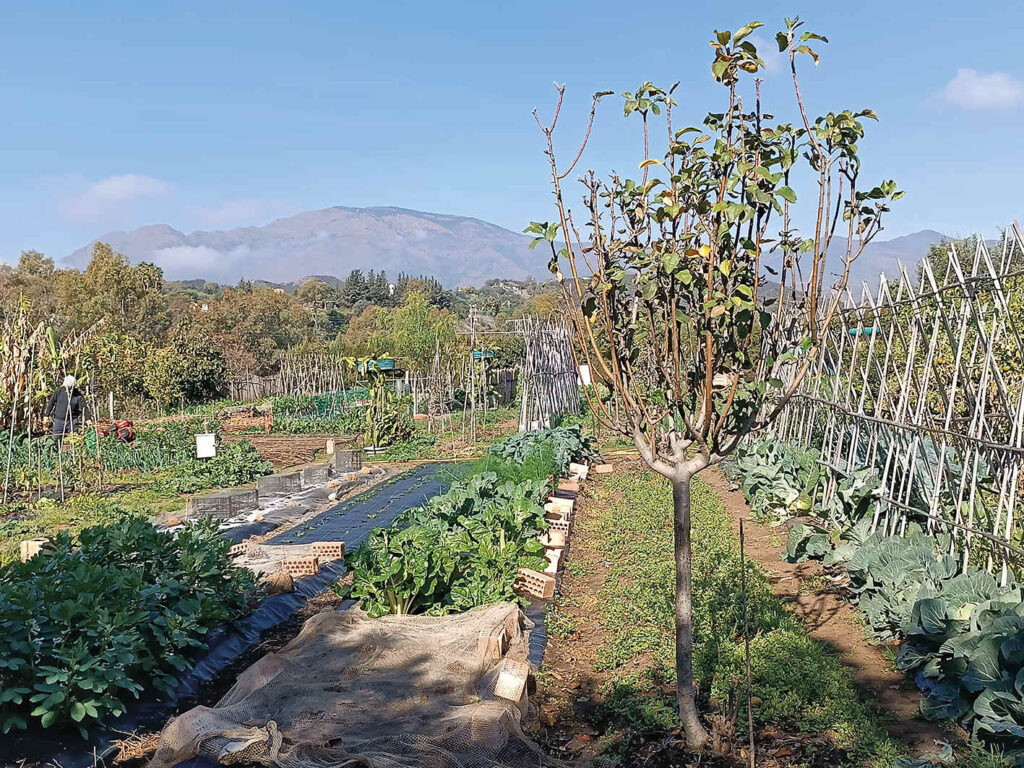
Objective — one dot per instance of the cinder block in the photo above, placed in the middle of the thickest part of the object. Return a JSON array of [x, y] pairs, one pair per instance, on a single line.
[[242, 500], [32, 547], [301, 566], [578, 471], [569, 486], [559, 525], [216, 504], [554, 557], [552, 539], [535, 584], [566, 505], [316, 476], [512, 680], [604, 469], [280, 484], [349, 460], [238, 550], [555, 516], [328, 550], [554, 512]]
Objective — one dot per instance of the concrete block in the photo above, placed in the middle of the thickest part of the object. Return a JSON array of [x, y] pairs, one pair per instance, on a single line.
[[280, 484], [32, 547], [558, 502], [328, 550], [579, 471], [242, 500], [216, 504], [556, 516], [316, 476], [301, 566], [552, 539], [554, 557], [604, 469], [512, 678], [559, 525], [569, 486], [349, 460]]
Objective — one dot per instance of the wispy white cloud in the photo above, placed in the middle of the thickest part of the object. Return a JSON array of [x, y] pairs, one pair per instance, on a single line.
[[984, 90], [102, 199], [236, 213], [186, 261], [774, 60]]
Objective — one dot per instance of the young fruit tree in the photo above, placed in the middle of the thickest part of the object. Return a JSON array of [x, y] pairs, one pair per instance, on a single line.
[[665, 276]]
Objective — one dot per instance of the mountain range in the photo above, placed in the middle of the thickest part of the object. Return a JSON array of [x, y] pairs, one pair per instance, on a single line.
[[457, 250]]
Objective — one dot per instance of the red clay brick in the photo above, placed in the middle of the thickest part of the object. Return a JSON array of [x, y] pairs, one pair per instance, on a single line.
[[328, 550], [492, 645], [536, 584], [301, 566], [569, 486]]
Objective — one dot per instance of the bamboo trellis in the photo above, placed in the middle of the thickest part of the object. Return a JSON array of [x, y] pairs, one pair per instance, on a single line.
[[550, 379], [300, 373], [923, 380]]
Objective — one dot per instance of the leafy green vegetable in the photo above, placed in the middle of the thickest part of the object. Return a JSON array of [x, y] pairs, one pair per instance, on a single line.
[[90, 625], [567, 443]]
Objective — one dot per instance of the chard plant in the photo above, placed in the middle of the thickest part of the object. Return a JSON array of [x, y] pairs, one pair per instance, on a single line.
[[664, 281]]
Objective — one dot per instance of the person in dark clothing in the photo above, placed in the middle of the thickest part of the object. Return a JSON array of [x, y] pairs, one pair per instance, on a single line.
[[66, 408]]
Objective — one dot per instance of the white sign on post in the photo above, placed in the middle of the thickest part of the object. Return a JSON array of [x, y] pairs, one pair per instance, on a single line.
[[206, 446], [585, 375]]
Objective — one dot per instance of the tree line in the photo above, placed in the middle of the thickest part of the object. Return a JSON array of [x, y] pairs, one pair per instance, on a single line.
[[169, 344]]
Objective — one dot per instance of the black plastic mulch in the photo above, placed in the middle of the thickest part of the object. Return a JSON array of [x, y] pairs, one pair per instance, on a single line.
[[353, 519]]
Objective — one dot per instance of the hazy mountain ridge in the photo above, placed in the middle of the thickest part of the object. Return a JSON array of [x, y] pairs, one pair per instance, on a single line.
[[457, 250]]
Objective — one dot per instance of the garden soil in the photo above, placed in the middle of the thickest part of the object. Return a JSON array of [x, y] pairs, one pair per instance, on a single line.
[[350, 690]]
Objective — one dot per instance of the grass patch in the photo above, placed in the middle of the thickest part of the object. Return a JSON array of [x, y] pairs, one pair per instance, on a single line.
[[800, 682]]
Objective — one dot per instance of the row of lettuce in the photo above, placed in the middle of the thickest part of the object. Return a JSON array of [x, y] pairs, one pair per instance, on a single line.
[[464, 547], [122, 608], [961, 633]]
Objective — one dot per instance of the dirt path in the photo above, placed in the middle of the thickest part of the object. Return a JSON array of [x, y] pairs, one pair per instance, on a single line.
[[830, 618]]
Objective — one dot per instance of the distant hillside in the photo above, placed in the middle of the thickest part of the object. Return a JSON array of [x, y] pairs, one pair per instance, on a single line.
[[457, 250], [884, 256], [330, 243]]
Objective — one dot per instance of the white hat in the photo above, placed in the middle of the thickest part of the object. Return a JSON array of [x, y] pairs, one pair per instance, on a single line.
[[69, 381]]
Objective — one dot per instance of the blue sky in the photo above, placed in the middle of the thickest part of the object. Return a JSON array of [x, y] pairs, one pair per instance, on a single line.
[[213, 115]]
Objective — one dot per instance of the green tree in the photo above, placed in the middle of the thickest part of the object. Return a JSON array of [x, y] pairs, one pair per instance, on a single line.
[[126, 299], [662, 279], [188, 370], [120, 362]]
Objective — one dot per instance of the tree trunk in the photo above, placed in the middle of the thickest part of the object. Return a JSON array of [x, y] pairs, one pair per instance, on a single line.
[[696, 736]]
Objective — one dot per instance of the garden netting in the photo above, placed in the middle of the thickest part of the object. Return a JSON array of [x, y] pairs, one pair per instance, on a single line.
[[349, 690]]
